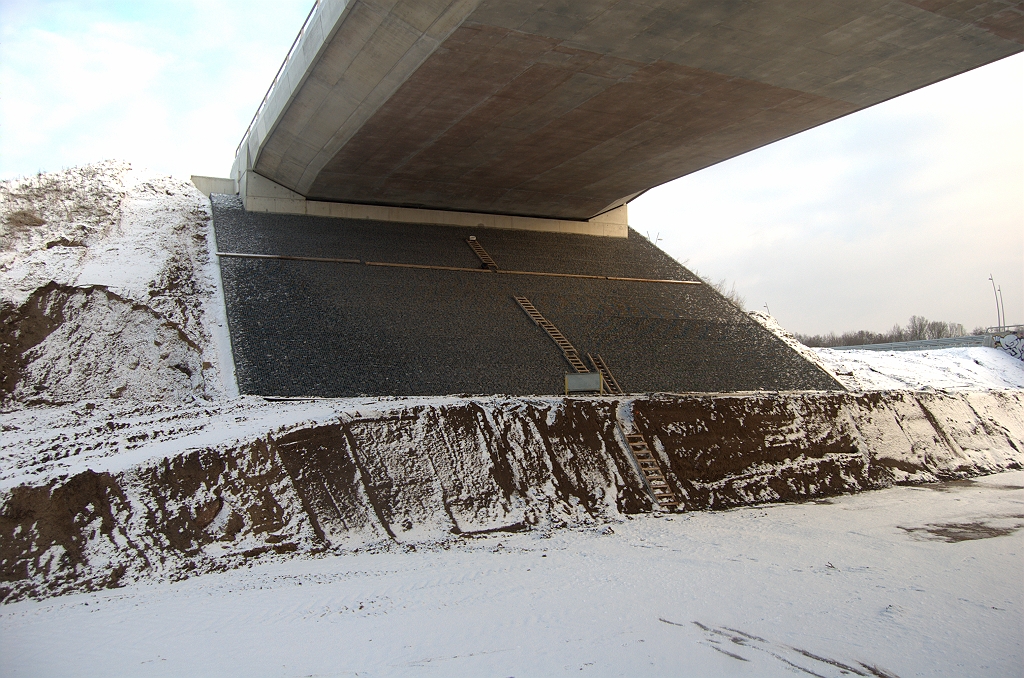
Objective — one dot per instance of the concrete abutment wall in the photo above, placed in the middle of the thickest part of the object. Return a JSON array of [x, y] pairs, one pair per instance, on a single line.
[[260, 194]]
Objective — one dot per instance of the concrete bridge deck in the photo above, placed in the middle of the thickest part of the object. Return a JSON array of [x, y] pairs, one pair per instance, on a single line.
[[567, 109]]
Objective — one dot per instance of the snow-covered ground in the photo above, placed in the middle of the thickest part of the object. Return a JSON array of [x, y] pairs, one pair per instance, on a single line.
[[948, 369], [910, 581], [952, 369], [109, 289]]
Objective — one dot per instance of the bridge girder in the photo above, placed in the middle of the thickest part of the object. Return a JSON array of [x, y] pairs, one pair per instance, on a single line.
[[567, 109]]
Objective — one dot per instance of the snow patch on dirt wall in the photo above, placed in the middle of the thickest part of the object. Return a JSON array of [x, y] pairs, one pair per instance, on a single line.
[[109, 494], [107, 288]]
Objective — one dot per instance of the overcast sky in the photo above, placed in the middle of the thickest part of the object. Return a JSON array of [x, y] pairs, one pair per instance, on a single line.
[[905, 208]]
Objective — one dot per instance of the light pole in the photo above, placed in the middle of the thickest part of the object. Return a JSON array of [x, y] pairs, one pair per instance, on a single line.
[[1002, 306], [999, 315]]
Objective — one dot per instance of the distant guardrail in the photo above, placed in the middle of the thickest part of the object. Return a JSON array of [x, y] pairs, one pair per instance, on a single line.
[[1017, 329], [1009, 340], [922, 344]]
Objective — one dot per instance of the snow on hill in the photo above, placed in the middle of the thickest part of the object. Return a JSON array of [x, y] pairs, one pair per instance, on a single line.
[[461, 536], [950, 369], [908, 581], [953, 369], [108, 289]]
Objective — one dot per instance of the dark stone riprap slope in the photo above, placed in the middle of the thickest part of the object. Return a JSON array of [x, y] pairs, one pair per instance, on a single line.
[[301, 328]]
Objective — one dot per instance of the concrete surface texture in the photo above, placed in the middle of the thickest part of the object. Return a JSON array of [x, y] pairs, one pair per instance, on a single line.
[[326, 328], [260, 194], [208, 185], [568, 108]]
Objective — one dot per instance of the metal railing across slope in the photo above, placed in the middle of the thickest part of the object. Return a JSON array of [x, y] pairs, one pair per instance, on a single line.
[[921, 345], [277, 76]]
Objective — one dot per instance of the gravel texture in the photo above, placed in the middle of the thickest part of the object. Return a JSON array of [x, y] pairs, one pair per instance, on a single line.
[[304, 328]]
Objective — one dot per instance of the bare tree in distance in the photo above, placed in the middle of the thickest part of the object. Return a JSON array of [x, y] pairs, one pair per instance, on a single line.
[[917, 328]]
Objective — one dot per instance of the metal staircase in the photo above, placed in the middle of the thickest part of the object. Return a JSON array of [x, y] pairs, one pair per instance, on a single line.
[[479, 250], [568, 350], [650, 470], [601, 366]]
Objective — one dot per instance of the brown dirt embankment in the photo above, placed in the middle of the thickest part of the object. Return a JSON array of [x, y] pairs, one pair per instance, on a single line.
[[430, 472]]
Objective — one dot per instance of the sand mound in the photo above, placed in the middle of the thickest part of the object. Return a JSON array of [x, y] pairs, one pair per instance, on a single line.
[[107, 288]]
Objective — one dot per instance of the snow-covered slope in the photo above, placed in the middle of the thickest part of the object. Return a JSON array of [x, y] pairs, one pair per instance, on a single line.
[[108, 289], [955, 369], [122, 461], [107, 495], [951, 369]]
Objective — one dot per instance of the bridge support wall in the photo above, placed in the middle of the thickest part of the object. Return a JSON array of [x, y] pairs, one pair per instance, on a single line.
[[260, 194]]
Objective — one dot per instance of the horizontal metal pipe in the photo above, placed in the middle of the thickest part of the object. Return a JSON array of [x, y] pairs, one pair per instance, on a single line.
[[287, 257], [455, 268]]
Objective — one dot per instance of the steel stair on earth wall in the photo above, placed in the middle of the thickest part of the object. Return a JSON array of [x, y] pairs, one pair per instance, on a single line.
[[650, 471], [480, 252]]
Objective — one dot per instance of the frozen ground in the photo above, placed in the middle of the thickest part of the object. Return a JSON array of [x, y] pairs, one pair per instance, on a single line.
[[905, 581], [910, 581], [950, 369], [960, 369], [108, 289]]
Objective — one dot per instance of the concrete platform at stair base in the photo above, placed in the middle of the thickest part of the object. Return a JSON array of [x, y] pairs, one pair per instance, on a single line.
[[302, 328]]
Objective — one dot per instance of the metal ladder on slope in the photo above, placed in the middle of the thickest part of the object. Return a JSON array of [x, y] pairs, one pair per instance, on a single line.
[[606, 373], [480, 252], [568, 350], [650, 470]]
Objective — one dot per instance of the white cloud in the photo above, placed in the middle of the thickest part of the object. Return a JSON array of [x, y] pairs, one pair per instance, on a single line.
[[170, 86], [66, 92]]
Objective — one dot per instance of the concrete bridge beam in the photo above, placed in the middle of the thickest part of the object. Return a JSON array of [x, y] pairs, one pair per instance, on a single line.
[[567, 109]]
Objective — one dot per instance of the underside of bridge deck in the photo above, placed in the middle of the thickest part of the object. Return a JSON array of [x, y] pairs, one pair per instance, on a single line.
[[569, 108]]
